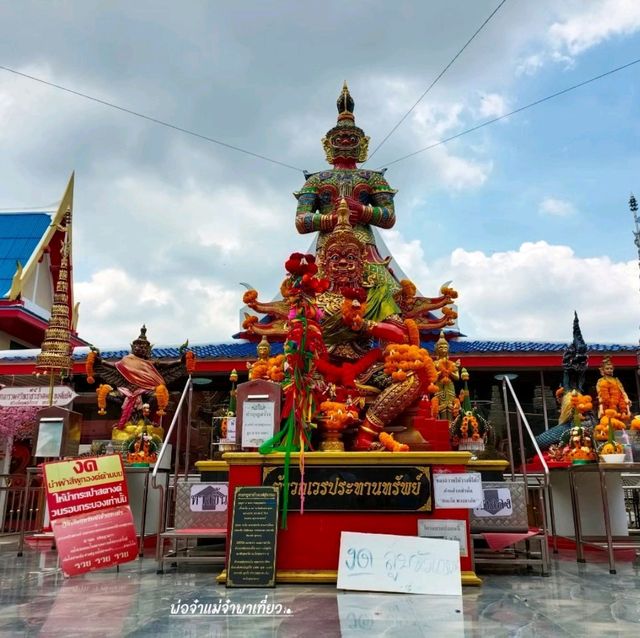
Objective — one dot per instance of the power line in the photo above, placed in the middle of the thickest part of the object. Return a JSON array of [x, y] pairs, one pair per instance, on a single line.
[[518, 110], [435, 81], [149, 118]]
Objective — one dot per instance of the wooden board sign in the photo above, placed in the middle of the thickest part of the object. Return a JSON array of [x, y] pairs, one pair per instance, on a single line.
[[254, 534], [407, 564]]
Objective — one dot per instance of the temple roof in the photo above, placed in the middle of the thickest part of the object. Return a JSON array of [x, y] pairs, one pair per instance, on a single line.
[[20, 235], [247, 350]]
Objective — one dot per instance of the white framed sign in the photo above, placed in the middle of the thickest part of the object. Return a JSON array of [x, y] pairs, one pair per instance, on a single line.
[[258, 422], [35, 396], [50, 433], [457, 491], [407, 564], [496, 502], [449, 529], [209, 497], [228, 430]]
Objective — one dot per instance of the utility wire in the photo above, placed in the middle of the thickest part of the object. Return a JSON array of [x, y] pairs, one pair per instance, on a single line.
[[446, 68], [150, 119], [518, 110]]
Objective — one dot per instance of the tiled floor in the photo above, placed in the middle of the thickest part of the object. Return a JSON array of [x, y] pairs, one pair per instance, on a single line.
[[576, 600]]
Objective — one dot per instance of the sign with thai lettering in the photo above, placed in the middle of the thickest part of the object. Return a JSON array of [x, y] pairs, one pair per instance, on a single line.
[[35, 396], [457, 491], [450, 530], [209, 497], [373, 488], [254, 535], [407, 564], [90, 514], [258, 422], [496, 502]]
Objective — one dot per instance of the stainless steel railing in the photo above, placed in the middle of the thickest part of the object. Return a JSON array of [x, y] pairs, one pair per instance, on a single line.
[[168, 495]]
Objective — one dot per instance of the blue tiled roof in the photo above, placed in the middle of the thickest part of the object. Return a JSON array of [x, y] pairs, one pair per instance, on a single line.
[[20, 233], [247, 350]]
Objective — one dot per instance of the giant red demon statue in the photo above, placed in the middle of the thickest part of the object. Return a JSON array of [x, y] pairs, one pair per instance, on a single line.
[[370, 322]]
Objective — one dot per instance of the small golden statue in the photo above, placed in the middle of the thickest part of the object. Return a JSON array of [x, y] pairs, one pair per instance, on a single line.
[[445, 404]]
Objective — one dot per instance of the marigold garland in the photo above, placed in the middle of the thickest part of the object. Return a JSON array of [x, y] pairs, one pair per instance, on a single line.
[[190, 361], [412, 332], [162, 396], [102, 391], [391, 444], [91, 358], [404, 359]]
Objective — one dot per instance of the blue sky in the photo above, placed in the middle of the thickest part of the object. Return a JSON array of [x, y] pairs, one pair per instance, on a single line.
[[528, 216]]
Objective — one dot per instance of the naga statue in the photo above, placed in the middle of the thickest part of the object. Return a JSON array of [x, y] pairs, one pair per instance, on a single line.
[[370, 321]]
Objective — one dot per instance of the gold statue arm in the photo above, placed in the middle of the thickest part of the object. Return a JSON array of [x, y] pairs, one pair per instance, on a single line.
[[308, 217]]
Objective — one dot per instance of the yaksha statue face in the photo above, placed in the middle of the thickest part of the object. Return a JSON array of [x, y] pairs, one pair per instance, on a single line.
[[345, 140], [343, 265]]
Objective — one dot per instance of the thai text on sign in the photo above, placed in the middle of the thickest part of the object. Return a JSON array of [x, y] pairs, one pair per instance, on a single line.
[[90, 514], [408, 564], [35, 396], [457, 491], [258, 422]]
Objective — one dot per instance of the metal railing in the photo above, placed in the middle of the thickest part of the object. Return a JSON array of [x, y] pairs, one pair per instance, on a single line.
[[540, 482], [167, 496], [13, 492]]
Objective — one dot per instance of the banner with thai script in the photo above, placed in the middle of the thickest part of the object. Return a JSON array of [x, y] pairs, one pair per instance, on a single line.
[[90, 514], [362, 488], [35, 396]]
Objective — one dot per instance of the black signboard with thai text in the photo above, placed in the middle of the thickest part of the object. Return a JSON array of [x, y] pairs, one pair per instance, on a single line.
[[254, 534], [373, 488]]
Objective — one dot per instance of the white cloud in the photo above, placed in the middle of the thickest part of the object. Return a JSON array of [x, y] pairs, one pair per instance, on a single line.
[[113, 306], [492, 105], [530, 64], [594, 23], [556, 207], [531, 293]]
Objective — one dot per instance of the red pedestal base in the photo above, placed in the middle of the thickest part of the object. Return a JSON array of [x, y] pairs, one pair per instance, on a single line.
[[308, 549]]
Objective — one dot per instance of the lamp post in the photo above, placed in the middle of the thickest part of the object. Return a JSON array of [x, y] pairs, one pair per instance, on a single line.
[[633, 207]]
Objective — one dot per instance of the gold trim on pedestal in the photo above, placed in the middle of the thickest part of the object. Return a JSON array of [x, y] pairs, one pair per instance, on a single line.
[[487, 465], [331, 576], [470, 578], [212, 466], [350, 458]]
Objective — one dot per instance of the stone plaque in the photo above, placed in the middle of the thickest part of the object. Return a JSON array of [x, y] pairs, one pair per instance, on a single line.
[[254, 534]]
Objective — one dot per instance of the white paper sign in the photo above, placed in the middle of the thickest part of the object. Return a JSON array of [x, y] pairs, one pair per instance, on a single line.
[[450, 530], [209, 497], [457, 491], [408, 564], [496, 502], [35, 396], [229, 422], [257, 422]]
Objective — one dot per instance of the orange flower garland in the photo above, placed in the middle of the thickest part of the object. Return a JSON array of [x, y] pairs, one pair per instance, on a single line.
[[190, 361], [338, 415], [272, 368], [611, 396], [250, 296], [412, 332], [162, 396], [102, 392], [391, 444], [403, 359], [91, 357]]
